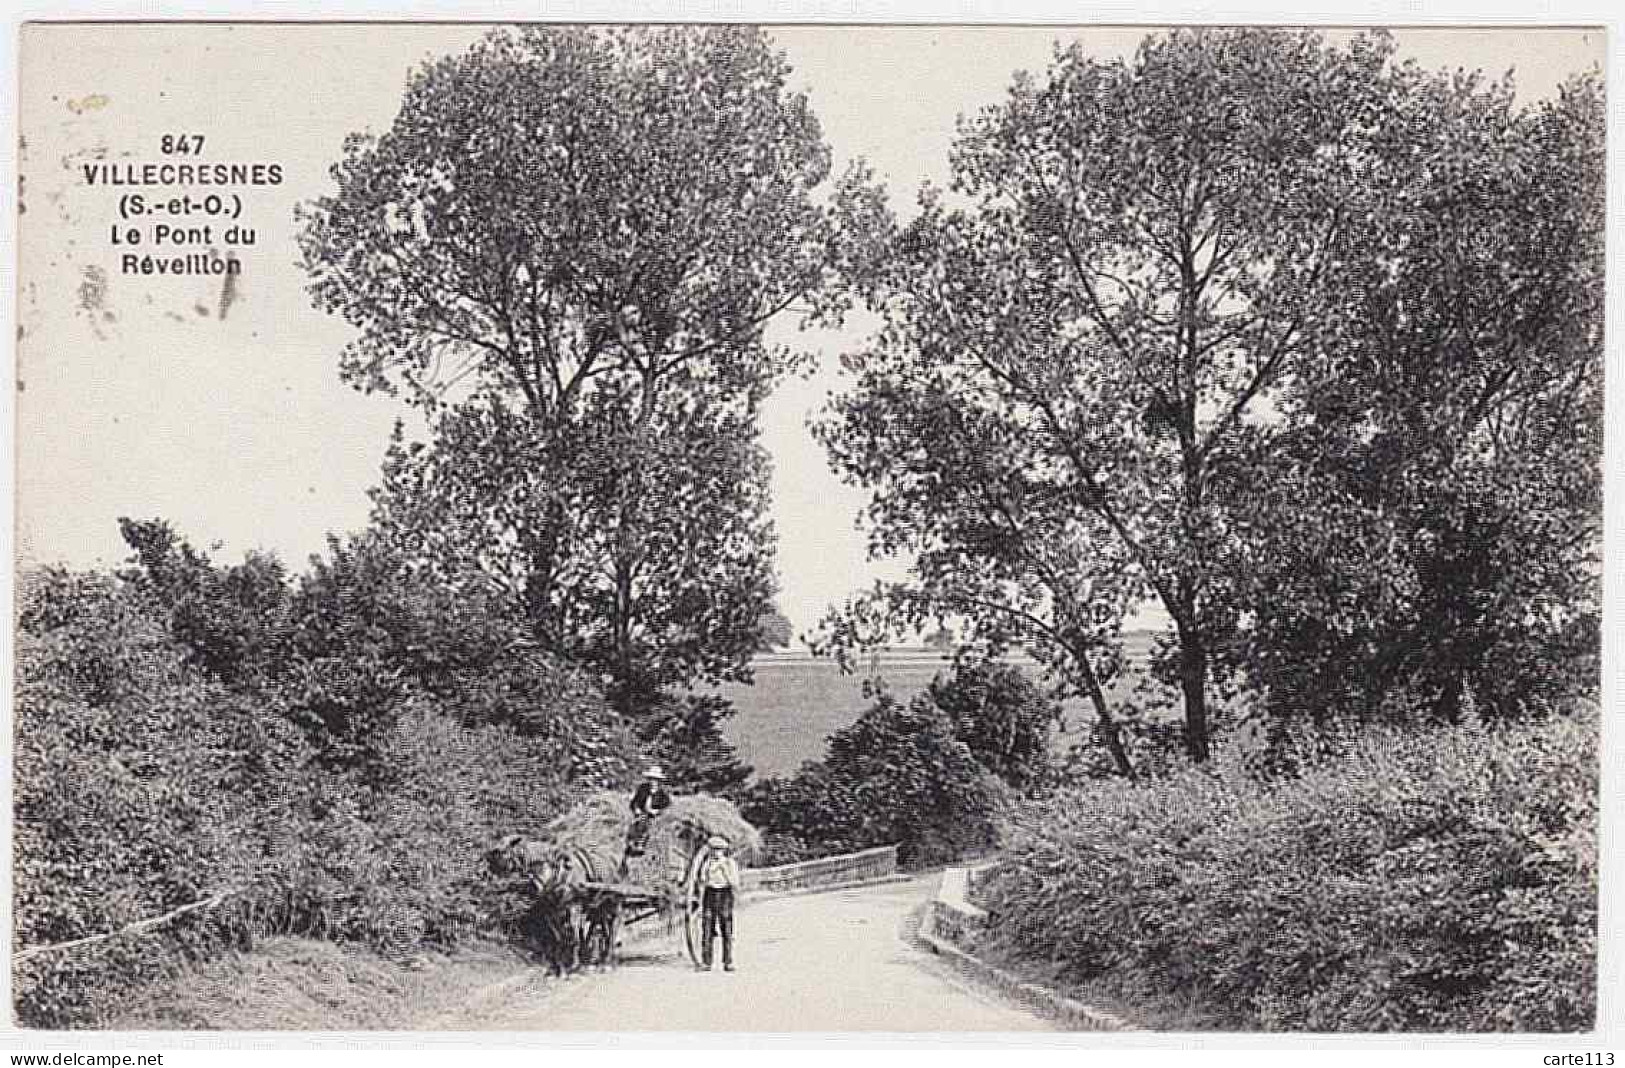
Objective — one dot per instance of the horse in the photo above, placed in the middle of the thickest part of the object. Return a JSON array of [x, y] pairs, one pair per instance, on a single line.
[[555, 921]]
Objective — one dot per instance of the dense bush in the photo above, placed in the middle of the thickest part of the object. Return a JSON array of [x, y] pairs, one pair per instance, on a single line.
[[333, 758], [402, 866], [232, 622], [1002, 716], [136, 790], [900, 774], [370, 632], [1434, 880]]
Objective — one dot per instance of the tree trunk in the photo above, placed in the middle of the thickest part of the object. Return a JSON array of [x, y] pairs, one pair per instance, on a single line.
[[623, 691], [1192, 650], [629, 551], [538, 592], [1108, 723], [545, 545], [1193, 685]]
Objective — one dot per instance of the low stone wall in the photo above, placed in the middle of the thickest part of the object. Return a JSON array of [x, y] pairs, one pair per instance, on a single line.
[[952, 915], [952, 928], [877, 863]]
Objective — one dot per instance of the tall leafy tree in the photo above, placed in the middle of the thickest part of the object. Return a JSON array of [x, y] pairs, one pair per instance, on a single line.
[[1140, 255], [1434, 522], [1143, 273], [565, 252]]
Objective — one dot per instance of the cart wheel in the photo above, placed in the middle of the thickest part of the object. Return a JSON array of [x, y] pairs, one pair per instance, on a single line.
[[694, 907]]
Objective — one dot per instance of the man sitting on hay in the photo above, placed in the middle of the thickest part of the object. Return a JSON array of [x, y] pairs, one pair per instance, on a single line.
[[649, 801]]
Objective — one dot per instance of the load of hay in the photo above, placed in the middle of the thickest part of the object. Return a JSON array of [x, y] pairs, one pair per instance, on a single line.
[[598, 826]]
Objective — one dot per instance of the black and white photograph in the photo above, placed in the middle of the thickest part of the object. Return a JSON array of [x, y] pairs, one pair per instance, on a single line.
[[541, 528]]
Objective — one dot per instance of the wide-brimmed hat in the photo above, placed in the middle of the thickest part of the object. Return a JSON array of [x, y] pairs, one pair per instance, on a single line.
[[654, 773], [719, 842]]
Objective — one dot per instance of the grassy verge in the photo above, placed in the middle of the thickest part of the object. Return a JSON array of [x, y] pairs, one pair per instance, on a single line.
[[300, 984], [1163, 1011]]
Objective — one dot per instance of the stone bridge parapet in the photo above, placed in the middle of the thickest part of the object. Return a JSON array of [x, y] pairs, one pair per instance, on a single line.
[[865, 866]]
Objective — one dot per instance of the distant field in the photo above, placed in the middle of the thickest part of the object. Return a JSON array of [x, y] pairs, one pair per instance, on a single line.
[[798, 701]]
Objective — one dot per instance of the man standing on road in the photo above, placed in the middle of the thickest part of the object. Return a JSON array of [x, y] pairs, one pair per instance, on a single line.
[[720, 877]]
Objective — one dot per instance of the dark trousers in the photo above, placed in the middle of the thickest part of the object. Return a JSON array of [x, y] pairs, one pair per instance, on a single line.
[[719, 918]]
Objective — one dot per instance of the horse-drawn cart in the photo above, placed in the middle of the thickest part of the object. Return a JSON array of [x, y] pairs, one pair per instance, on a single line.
[[586, 891]]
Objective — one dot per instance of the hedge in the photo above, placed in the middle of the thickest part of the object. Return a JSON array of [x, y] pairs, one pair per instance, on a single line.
[[1439, 880]]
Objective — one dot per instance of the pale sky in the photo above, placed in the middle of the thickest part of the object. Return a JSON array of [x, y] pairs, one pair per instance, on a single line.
[[138, 398]]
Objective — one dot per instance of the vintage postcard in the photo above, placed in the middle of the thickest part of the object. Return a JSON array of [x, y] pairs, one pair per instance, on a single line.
[[725, 528]]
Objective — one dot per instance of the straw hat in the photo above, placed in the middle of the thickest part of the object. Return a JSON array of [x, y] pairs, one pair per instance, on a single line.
[[655, 773]]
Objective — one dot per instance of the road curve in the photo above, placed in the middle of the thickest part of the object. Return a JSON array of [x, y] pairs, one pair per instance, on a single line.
[[835, 961]]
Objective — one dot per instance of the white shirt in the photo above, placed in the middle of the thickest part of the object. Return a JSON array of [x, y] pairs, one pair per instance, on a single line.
[[721, 872]]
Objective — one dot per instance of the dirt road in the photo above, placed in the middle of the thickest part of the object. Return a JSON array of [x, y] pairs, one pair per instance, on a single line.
[[836, 961]]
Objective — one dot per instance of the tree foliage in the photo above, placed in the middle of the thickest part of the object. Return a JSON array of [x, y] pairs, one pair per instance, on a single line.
[[564, 252], [684, 736], [1429, 541], [774, 630], [576, 210], [374, 632], [139, 782], [1002, 716], [233, 619], [898, 776], [651, 593], [1163, 297]]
